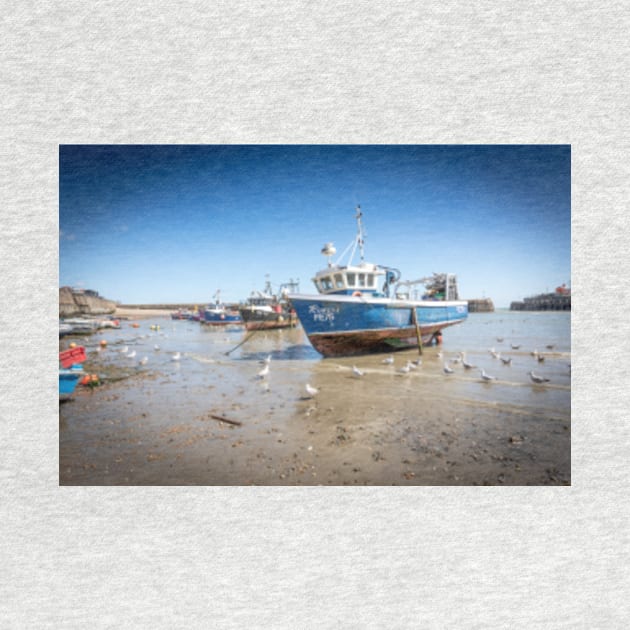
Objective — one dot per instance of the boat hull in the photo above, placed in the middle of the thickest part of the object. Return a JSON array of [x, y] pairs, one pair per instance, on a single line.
[[221, 319], [347, 326], [68, 380], [262, 320]]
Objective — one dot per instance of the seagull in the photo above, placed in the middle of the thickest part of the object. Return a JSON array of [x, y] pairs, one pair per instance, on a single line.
[[537, 379], [458, 358], [467, 365], [268, 359], [264, 371], [540, 358], [412, 365], [440, 354], [357, 372], [156, 347], [125, 350], [506, 361], [534, 353], [448, 370], [143, 361], [500, 339], [311, 391], [551, 346], [496, 355], [515, 346], [405, 368], [388, 360], [417, 362], [487, 377], [176, 357], [132, 354]]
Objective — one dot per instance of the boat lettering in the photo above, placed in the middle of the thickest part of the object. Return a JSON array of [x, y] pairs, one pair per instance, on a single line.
[[323, 313]]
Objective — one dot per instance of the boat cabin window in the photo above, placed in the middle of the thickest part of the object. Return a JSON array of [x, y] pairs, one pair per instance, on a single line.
[[339, 281], [326, 283], [362, 280], [370, 280], [350, 278]]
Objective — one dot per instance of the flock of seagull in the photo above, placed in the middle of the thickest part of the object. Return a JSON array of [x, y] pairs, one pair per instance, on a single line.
[[409, 366]]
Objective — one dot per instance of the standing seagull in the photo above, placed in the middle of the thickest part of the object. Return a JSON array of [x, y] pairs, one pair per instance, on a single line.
[[507, 361], [448, 370], [357, 372], [311, 391], [405, 369], [515, 346], [143, 361], [264, 371], [537, 379], [176, 357], [388, 361], [487, 377]]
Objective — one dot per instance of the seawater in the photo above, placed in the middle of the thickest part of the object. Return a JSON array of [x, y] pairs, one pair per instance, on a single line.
[[213, 356]]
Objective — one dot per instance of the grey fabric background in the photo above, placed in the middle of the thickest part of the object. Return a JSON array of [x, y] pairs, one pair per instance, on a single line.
[[307, 72]]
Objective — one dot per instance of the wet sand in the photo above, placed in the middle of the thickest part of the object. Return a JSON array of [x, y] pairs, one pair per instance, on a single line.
[[155, 426]]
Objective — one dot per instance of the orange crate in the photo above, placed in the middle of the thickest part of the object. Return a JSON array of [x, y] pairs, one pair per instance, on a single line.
[[72, 356]]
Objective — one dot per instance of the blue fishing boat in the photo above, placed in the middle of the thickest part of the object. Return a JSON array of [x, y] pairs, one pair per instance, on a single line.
[[220, 314], [366, 308]]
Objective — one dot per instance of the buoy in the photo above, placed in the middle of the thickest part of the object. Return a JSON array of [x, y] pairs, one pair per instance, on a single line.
[[85, 380], [103, 342], [135, 325], [73, 345], [357, 294]]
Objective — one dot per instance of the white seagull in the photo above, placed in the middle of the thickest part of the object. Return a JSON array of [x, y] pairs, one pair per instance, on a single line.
[[357, 372], [132, 354], [143, 361], [156, 347], [417, 362], [537, 379], [388, 360], [125, 350], [268, 359], [264, 371], [448, 370], [311, 391], [487, 377], [405, 368], [468, 366], [176, 357]]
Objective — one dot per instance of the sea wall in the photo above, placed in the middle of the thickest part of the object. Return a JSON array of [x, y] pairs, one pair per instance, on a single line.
[[484, 305], [544, 302], [73, 303]]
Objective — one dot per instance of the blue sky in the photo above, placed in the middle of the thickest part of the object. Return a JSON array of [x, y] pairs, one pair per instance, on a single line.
[[164, 224]]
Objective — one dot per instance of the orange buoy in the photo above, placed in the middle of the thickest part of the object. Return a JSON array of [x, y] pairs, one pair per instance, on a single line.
[[73, 345], [135, 325], [103, 342], [85, 380]]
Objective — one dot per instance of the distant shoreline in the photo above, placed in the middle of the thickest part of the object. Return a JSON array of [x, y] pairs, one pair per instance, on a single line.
[[141, 313]]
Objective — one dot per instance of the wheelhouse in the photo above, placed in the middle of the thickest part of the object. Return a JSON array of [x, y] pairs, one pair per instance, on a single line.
[[364, 278]]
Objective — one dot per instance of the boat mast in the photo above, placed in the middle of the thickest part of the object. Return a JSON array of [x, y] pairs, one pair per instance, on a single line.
[[359, 239]]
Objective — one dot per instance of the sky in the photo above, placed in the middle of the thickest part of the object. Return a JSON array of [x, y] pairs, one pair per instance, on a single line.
[[156, 224]]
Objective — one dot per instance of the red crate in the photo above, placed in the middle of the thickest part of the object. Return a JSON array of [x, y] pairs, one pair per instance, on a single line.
[[72, 356]]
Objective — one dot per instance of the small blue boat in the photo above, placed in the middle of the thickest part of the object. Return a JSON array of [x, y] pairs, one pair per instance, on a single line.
[[366, 308], [68, 380], [219, 314]]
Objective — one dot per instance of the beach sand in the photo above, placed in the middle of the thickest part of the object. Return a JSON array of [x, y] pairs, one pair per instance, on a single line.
[[156, 428]]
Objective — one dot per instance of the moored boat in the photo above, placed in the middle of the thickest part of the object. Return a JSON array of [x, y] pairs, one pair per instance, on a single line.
[[367, 308], [265, 310], [220, 314], [71, 370]]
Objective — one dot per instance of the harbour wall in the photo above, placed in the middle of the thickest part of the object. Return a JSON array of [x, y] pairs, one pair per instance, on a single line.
[[74, 303], [543, 302], [483, 305]]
